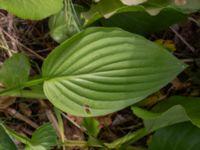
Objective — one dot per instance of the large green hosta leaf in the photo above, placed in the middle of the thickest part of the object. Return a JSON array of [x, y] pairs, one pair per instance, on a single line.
[[102, 70], [32, 9]]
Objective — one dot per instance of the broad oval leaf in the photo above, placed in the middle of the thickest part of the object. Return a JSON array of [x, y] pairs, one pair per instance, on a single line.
[[102, 70], [183, 136], [170, 111], [32, 9]]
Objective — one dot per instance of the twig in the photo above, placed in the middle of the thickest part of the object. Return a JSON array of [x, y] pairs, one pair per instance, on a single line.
[[183, 40], [51, 116], [6, 49], [19, 116], [188, 60], [10, 29], [73, 122], [58, 114], [26, 131], [23, 46], [4, 44]]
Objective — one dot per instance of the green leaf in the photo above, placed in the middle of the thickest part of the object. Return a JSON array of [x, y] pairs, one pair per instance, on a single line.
[[32, 9], [64, 24], [103, 9], [141, 22], [148, 10], [43, 138], [103, 70], [15, 71], [142, 19], [92, 126], [173, 110], [183, 136], [5, 141]]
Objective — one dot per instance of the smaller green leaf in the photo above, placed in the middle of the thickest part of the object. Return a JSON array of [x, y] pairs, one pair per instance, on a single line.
[[65, 23], [183, 136], [43, 138], [59, 26], [173, 110], [32, 9], [5, 141], [15, 71], [103, 9], [92, 126]]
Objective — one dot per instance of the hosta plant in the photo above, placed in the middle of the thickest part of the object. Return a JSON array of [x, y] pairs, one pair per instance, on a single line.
[[100, 71]]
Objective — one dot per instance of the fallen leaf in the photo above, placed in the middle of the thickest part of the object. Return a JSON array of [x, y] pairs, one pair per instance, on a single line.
[[168, 44], [75, 119], [152, 100], [178, 85], [105, 121], [24, 108]]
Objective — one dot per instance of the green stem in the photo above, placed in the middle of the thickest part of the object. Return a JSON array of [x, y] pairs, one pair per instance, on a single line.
[[33, 82], [60, 124], [19, 92], [72, 143], [120, 143], [127, 139], [25, 94]]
